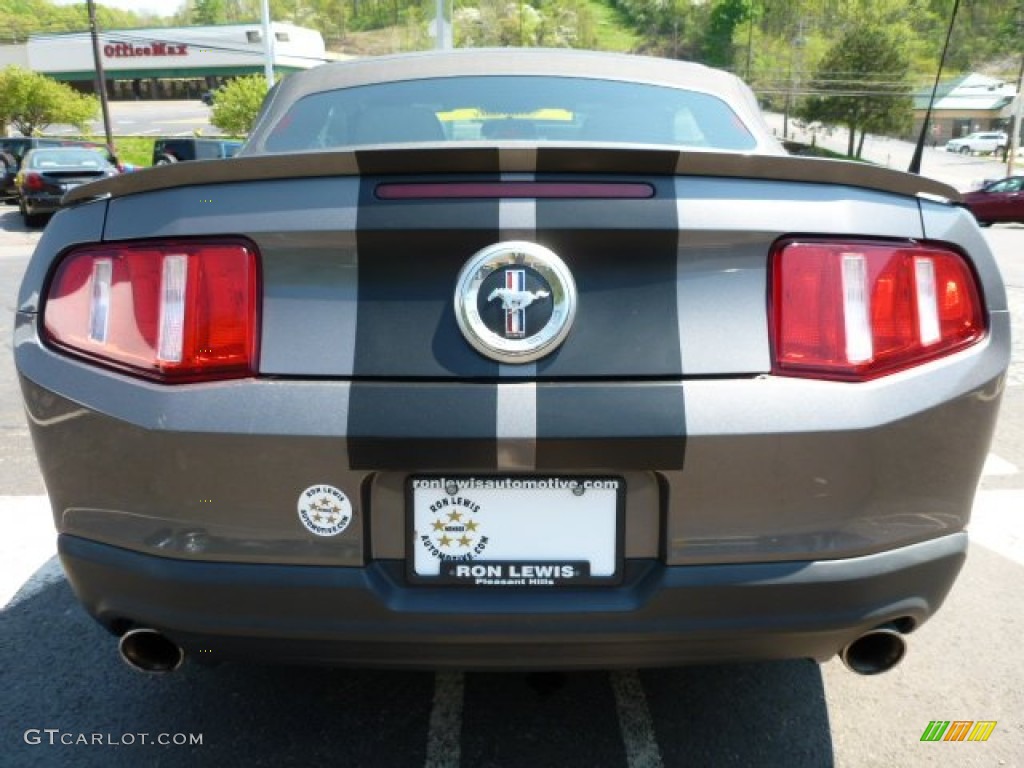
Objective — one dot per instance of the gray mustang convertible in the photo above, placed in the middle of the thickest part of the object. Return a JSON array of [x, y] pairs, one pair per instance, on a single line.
[[512, 359]]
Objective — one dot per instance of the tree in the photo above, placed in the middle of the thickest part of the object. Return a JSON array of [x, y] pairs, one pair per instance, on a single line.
[[209, 12], [862, 83], [725, 17], [30, 102], [237, 104], [510, 24]]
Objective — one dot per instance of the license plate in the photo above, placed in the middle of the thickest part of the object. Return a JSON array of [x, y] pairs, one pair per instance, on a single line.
[[516, 531]]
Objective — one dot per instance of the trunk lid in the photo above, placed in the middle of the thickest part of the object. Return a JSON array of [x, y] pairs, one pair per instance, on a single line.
[[360, 284]]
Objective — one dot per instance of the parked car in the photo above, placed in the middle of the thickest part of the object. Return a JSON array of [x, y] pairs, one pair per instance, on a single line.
[[8, 172], [388, 390], [175, 150], [1001, 200], [47, 174], [13, 148], [984, 142]]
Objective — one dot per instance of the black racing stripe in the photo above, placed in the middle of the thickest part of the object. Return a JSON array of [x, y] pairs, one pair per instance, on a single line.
[[615, 426], [422, 426], [460, 160], [622, 254], [574, 160], [410, 254]]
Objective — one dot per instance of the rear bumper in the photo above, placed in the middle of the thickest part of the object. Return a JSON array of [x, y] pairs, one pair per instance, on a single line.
[[42, 203], [369, 616]]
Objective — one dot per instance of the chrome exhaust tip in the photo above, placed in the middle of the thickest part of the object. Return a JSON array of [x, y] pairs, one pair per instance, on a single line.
[[149, 651], [876, 651]]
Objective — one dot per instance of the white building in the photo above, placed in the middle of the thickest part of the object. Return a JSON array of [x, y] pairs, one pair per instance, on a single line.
[[968, 103], [169, 62]]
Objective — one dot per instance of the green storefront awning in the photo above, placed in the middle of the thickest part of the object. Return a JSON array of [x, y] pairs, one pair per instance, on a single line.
[[171, 73]]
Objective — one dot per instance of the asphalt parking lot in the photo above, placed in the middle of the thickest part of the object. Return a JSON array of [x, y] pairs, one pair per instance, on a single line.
[[68, 700]]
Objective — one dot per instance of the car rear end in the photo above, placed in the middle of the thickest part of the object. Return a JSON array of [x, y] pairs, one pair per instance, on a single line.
[[267, 434], [48, 174], [42, 190]]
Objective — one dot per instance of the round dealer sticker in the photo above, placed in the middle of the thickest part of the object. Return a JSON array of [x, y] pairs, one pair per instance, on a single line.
[[324, 510]]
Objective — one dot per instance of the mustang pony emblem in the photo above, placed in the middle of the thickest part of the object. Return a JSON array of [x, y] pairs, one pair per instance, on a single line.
[[515, 299]]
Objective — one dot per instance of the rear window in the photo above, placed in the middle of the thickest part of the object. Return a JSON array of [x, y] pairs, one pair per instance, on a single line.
[[524, 108], [76, 158], [177, 148], [207, 151]]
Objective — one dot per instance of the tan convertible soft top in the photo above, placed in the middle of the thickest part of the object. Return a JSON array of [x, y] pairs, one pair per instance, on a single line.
[[516, 61]]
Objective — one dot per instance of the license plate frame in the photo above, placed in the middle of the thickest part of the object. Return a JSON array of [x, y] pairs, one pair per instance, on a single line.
[[487, 500]]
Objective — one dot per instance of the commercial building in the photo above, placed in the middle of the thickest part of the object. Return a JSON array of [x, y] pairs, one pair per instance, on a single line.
[[167, 62], [967, 104]]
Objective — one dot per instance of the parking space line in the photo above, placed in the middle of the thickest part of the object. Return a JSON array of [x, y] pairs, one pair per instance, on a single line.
[[997, 523], [27, 542], [635, 722], [998, 466], [444, 748]]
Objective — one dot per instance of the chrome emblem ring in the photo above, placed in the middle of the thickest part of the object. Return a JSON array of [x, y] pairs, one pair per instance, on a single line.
[[515, 301]]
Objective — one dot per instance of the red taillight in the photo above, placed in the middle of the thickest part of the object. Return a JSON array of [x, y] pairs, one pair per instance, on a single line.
[[859, 310], [175, 311], [34, 182]]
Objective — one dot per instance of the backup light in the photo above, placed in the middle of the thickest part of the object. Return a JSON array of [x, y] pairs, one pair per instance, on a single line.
[[858, 310], [174, 311]]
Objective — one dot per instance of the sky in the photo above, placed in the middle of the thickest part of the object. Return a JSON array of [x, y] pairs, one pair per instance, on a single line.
[[159, 7]]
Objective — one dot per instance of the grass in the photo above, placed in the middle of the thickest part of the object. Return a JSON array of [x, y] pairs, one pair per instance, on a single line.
[[808, 150], [613, 30], [133, 150]]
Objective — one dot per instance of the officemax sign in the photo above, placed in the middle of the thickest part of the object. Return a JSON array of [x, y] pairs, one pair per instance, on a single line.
[[127, 50]]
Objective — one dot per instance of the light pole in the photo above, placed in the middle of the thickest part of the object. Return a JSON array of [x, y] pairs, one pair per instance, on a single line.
[[268, 45], [444, 39], [798, 45]]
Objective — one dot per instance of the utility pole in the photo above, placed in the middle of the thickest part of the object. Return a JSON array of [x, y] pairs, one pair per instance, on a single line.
[[1018, 105], [1018, 110], [101, 77], [750, 37]]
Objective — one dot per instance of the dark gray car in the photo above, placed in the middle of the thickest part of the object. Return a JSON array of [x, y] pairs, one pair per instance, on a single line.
[[512, 359]]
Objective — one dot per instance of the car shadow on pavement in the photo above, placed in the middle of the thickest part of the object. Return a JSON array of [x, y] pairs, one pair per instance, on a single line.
[[69, 700], [767, 714], [11, 220]]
